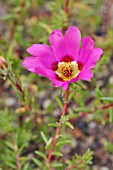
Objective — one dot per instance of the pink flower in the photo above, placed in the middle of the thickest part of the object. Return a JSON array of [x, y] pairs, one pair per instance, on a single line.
[[65, 61]]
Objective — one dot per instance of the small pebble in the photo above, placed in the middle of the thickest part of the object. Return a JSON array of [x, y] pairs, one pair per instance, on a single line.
[[10, 102], [46, 103], [104, 168], [95, 167], [92, 125], [74, 143], [100, 83], [111, 80], [42, 94]]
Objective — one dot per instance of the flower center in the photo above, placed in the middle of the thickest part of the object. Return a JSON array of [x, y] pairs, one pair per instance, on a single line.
[[67, 70]]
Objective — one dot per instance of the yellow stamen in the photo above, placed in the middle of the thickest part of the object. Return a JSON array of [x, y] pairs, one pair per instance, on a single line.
[[67, 70]]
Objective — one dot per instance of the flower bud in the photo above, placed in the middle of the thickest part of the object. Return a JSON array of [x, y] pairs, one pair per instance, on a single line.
[[3, 62]]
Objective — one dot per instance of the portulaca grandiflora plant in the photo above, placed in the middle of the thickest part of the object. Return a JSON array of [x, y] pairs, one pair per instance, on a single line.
[[61, 50], [63, 62]]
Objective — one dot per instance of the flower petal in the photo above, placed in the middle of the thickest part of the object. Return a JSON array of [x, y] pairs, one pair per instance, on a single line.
[[41, 60], [36, 49], [67, 45], [43, 52], [53, 77], [65, 86], [55, 38], [89, 55], [87, 42], [33, 64], [85, 75]]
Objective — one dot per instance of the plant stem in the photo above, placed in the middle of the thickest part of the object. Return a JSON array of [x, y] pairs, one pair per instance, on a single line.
[[66, 6], [18, 163], [57, 133], [16, 84]]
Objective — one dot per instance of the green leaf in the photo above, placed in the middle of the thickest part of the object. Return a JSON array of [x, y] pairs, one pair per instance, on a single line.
[[82, 109], [65, 119], [81, 85], [70, 116], [98, 92], [63, 142], [21, 148], [69, 125], [44, 137], [27, 97], [72, 93], [56, 165], [101, 119], [96, 114], [59, 102], [107, 98], [53, 124], [10, 145], [111, 115], [41, 154], [37, 162], [57, 153], [49, 142], [10, 165]]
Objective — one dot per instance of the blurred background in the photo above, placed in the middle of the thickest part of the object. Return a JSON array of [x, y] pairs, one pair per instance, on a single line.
[[27, 109]]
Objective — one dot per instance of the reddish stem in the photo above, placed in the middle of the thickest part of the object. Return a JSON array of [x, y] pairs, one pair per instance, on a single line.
[[66, 6], [59, 128]]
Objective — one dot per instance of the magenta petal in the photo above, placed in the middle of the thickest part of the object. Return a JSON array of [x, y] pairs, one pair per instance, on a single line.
[[87, 43], [55, 38], [85, 75], [44, 53], [67, 45], [65, 86], [52, 76], [74, 80], [73, 38], [33, 65], [41, 60], [89, 55], [94, 57], [36, 49]]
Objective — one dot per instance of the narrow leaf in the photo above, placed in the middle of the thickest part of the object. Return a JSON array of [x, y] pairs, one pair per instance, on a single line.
[[110, 115], [59, 102], [56, 165], [37, 162], [82, 109], [60, 143], [48, 143], [44, 137], [10, 145], [57, 153], [69, 125], [53, 124], [72, 94], [107, 98], [40, 154], [96, 114], [10, 165]]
